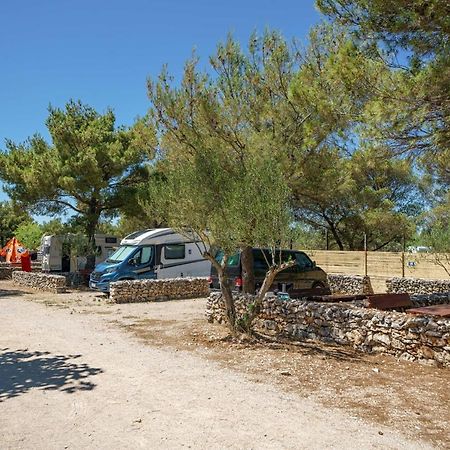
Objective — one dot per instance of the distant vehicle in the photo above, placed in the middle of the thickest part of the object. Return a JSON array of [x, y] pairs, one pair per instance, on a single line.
[[56, 253], [304, 274], [419, 249], [154, 254]]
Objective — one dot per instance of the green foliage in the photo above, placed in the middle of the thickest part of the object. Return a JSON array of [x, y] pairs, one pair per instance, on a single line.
[[11, 216], [29, 234], [411, 109], [436, 234], [90, 167], [55, 226], [364, 193], [306, 237], [220, 133], [421, 26]]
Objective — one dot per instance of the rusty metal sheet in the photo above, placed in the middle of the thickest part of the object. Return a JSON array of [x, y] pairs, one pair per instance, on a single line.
[[388, 301], [435, 310]]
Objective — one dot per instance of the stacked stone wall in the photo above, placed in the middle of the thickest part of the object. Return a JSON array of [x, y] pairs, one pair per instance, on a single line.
[[7, 269], [407, 336], [40, 281], [417, 286], [129, 291], [349, 284]]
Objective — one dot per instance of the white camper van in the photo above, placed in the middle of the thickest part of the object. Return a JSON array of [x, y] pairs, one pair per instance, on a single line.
[[56, 255], [156, 253]]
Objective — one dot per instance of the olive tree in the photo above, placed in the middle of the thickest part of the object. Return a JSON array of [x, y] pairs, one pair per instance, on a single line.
[[204, 193]]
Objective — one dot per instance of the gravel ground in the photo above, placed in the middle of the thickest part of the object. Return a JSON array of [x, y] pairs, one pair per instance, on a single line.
[[79, 373]]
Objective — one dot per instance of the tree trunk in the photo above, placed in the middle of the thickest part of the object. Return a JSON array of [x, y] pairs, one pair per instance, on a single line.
[[225, 289], [248, 275], [336, 236], [268, 281], [92, 248], [229, 301]]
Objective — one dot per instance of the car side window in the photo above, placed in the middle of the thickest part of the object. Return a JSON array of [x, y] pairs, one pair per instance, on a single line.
[[287, 256], [259, 261], [303, 262]]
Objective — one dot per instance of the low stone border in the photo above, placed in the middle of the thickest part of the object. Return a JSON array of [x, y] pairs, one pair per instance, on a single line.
[[40, 281], [129, 291], [349, 284], [6, 270], [407, 336], [417, 285]]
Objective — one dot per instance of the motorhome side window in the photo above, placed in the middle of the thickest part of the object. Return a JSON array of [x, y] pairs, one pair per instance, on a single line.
[[174, 251]]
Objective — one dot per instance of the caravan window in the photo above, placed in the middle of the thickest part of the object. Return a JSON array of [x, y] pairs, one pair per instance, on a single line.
[[174, 251]]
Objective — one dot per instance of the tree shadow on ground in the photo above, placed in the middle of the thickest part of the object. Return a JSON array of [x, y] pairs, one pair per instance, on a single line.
[[319, 348], [11, 292], [22, 370]]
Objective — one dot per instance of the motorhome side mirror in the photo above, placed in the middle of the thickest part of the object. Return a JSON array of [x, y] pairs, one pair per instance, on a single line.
[[314, 264]]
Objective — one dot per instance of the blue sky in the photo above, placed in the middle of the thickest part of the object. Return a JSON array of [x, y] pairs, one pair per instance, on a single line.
[[102, 51]]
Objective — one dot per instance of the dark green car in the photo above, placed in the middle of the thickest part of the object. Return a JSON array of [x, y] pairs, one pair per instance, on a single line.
[[304, 274]]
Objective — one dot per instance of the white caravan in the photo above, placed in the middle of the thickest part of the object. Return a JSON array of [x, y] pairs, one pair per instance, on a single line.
[[156, 253], [56, 254]]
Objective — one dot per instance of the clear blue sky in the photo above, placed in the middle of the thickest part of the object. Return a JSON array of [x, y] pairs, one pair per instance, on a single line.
[[102, 51]]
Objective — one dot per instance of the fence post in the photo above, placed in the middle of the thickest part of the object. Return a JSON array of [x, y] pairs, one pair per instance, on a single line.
[[365, 254], [403, 257]]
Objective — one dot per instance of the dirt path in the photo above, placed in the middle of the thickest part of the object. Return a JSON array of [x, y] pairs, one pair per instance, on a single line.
[[71, 377]]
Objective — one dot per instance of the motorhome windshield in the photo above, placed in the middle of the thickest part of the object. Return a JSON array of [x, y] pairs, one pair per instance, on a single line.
[[121, 254]]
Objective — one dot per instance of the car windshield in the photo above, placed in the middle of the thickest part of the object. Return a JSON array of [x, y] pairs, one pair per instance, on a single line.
[[121, 254]]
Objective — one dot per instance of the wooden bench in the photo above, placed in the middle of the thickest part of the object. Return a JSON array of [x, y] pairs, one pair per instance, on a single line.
[[389, 301]]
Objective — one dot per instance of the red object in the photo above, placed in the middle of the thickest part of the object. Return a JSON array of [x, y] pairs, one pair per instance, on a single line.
[[238, 282], [26, 263], [13, 251], [435, 310], [386, 301]]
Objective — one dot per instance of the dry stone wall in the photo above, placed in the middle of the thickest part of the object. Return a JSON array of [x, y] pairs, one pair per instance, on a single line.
[[129, 291], [407, 336], [7, 269], [6, 272], [417, 285], [40, 281], [349, 284]]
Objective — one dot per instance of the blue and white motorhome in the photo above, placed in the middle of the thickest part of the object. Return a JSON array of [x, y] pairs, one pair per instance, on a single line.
[[156, 253]]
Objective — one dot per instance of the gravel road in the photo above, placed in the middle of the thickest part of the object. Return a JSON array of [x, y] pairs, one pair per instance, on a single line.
[[74, 381]]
